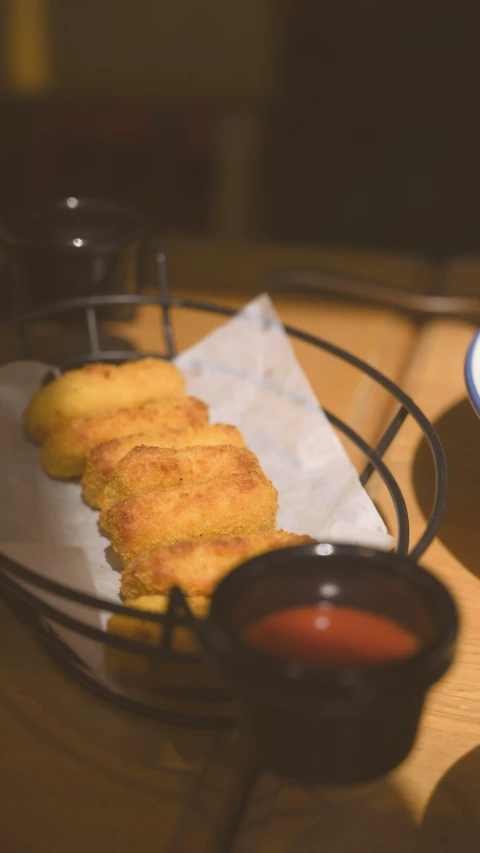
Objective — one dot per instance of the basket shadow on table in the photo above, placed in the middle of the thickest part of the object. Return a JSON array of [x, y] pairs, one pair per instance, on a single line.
[[459, 432], [451, 821], [371, 818], [376, 817]]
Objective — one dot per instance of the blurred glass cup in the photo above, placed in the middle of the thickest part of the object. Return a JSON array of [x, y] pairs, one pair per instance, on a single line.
[[76, 247]]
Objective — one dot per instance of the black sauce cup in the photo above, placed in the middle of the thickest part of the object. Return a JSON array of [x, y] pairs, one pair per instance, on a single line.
[[330, 725]]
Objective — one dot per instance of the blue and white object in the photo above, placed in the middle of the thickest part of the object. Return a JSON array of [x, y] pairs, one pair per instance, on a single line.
[[472, 372]]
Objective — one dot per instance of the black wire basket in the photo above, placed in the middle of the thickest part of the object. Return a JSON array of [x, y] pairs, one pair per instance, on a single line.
[[162, 680]]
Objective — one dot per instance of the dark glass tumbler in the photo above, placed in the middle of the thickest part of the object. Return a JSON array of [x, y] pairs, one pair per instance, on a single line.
[[75, 247]]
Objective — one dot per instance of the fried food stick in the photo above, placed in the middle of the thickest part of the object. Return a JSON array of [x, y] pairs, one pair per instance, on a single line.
[[98, 387], [148, 468], [198, 565], [66, 449], [237, 504], [104, 459], [151, 632], [144, 671]]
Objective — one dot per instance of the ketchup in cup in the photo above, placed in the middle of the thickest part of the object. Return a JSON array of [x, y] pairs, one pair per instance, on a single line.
[[331, 650], [332, 636]]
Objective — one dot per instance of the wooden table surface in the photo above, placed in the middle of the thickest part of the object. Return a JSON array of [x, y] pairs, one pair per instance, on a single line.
[[79, 774]]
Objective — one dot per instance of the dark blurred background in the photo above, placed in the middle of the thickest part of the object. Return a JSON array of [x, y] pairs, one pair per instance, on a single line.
[[353, 123]]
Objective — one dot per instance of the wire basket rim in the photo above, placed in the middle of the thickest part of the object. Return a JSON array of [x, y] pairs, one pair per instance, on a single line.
[[373, 455]]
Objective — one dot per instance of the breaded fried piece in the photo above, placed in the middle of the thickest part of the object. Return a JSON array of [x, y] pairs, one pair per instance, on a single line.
[[98, 387], [198, 565], [149, 672], [237, 504], [66, 449], [148, 468], [151, 632], [104, 459]]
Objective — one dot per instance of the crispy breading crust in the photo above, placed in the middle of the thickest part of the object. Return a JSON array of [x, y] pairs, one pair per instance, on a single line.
[[237, 504], [198, 565], [151, 632], [148, 468], [98, 387], [104, 459], [65, 451], [135, 670]]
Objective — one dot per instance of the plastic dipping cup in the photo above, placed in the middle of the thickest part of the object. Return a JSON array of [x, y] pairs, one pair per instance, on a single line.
[[324, 718]]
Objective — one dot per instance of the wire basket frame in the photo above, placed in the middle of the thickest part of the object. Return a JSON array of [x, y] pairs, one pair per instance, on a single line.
[[175, 700]]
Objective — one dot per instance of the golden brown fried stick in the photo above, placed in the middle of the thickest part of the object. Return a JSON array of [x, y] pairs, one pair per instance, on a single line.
[[237, 504], [148, 468], [198, 565], [104, 459], [142, 670], [151, 632], [66, 449], [98, 387]]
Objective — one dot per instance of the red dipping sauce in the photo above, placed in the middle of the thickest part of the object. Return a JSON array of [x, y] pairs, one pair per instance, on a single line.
[[332, 636]]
